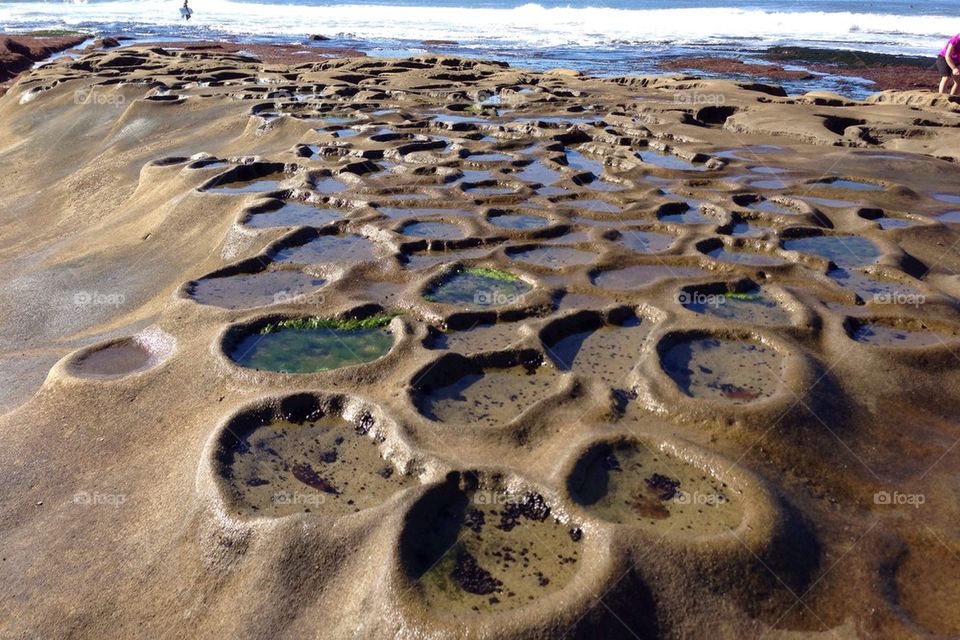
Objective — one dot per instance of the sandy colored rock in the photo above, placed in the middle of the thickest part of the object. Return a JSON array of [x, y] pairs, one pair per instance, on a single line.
[[742, 298]]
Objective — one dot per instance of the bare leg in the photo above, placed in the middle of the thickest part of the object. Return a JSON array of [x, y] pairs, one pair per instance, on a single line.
[[956, 86], [943, 84]]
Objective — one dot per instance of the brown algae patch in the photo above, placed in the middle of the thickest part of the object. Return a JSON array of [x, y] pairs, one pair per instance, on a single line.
[[478, 550], [321, 464], [927, 584], [629, 483], [737, 371]]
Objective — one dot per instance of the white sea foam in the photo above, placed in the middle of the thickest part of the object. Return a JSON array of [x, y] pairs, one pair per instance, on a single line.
[[529, 24]]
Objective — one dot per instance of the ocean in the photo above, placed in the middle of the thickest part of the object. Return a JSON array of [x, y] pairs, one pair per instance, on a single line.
[[599, 37]]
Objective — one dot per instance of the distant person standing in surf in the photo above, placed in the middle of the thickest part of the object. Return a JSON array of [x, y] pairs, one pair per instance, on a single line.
[[948, 64], [185, 10]]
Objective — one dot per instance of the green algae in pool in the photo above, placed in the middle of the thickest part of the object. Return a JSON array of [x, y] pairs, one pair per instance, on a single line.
[[905, 335], [519, 221], [118, 359], [749, 307], [309, 347], [482, 551], [432, 229], [257, 185], [489, 397], [844, 251], [553, 257], [738, 371], [293, 214], [479, 287], [634, 485], [326, 466], [608, 353], [247, 290]]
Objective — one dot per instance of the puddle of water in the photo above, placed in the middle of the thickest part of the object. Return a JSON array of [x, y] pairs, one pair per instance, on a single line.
[[440, 230], [642, 275], [952, 198], [598, 206], [748, 258], [116, 360], [519, 221], [476, 339], [568, 120], [766, 170], [692, 215], [738, 154], [833, 203], [488, 398], [328, 185], [768, 184], [631, 484], [293, 214], [489, 157], [769, 206], [258, 185], [474, 176], [872, 289], [538, 172], [844, 251], [851, 184], [345, 133], [326, 466], [753, 307], [580, 162], [887, 335], [553, 257], [329, 249], [734, 370], [248, 290], [303, 350], [669, 161], [950, 217], [491, 190], [403, 212], [609, 353], [887, 222], [645, 241], [483, 552], [453, 119], [746, 230], [479, 288]]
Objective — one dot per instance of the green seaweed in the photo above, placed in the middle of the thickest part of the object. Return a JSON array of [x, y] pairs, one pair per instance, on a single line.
[[346, 324], [495, 274], [53, 33], [751, 297]]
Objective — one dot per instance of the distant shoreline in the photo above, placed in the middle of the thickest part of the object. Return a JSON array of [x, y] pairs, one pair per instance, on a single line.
[[798, 69]]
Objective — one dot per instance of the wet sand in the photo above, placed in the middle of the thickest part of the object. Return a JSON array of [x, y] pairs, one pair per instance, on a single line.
[[436, 347]]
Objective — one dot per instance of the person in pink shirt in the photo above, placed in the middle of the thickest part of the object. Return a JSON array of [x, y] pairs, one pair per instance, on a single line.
[[948, 64]]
